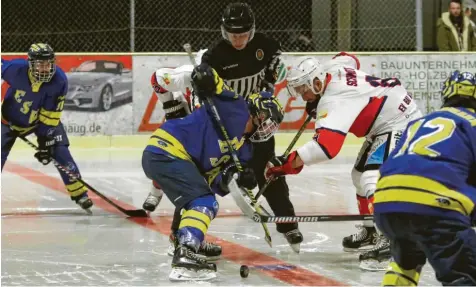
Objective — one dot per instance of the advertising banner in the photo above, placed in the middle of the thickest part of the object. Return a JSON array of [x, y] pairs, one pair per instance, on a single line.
[[99, 98], [112, 95]]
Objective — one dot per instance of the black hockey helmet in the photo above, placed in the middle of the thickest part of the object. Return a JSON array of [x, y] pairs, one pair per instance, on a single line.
[[238, 18], [42, 62]]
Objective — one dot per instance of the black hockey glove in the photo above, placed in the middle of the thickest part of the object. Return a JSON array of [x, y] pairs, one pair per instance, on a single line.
[[203, 81], [174, 109], [246, 178], [45, 149], [311, 108]]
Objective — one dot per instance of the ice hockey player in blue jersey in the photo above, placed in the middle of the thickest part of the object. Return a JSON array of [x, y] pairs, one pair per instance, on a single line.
[[32, 105], [189, 158], [425, 197]]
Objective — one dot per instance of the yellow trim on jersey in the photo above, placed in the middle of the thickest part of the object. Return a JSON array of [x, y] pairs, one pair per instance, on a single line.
[[421, 190], [196, 219], [76, 188], [169, 143], [22, 130], [467, 116], [49, 118], [35, 85]]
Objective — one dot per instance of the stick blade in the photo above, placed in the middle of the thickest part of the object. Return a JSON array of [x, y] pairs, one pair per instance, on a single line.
[[136, 213]]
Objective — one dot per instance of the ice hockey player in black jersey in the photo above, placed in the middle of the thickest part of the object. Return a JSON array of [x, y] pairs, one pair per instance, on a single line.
[[249, 61]]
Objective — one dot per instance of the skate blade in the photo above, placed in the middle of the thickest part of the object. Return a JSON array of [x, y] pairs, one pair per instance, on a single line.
[[374, 265], [296, 247], [184, 274], [171, 250], [360, 249], [88, 211]]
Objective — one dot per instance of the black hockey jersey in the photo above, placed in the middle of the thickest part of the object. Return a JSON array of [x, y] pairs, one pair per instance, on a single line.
[[244, 70]]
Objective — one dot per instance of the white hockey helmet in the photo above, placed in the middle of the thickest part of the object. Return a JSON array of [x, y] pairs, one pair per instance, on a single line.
[[301, 77]]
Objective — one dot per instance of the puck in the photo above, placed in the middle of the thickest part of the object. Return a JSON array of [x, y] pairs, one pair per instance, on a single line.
[[244, 271]]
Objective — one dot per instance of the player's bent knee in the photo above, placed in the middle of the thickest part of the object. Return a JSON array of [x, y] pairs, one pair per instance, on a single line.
[[397, 276], [368, 182], [356, 175], [206, 204]]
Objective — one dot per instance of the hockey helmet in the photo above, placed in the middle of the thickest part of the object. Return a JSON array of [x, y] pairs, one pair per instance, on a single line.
[[461, 86], [267, 113], [301, 77], [238, 18], [42, 62]]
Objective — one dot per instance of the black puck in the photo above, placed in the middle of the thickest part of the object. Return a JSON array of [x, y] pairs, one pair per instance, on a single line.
[[244, 271]]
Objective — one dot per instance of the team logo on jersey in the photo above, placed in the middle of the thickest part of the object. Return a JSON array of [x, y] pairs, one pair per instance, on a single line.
[[167, 78], [322, 115], [259, 54]]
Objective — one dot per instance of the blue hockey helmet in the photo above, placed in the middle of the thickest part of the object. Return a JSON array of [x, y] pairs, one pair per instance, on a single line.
[[42, 62], [461, 85]]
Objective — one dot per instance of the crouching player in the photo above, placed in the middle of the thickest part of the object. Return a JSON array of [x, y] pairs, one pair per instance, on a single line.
[[190, 160], [33, 104], [425, 197]]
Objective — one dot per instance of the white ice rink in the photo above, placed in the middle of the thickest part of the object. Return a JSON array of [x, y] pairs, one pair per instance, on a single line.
[[48, 240]]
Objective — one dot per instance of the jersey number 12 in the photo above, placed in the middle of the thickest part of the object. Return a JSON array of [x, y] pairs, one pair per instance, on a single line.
[[444, 129]]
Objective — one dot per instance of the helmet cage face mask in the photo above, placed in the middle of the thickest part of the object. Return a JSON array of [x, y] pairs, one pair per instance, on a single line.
[[266, 127], [42, 70]]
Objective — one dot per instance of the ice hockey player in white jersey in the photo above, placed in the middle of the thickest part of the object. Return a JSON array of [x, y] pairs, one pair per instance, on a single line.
[[345, 100], [173, 88]]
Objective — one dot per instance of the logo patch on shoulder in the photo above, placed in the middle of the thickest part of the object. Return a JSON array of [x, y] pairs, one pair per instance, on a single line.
[[259, 54], [167, 78], [322, 114]]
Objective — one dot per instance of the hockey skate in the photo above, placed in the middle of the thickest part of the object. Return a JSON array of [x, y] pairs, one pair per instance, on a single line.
[[208, 251], [377, 258], [151, 202], [363, 240], [294, 238], [84, 202], [186, 265]]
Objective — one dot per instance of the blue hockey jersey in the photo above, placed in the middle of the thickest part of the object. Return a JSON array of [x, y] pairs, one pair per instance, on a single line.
[[429, 171], [197, 138], [28, 104]]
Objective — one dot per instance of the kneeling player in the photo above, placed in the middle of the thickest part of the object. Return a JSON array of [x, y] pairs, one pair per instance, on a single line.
[[33, 104], [425, 197], [189, 160]]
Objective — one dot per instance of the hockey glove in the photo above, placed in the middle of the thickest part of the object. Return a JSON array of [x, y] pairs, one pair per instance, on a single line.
[[206, 82], [174, 109], [45, 149], [311, 108], [280, 165], [246, 178]]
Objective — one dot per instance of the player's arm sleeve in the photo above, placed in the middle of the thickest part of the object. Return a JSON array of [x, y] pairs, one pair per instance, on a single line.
[[275, 68], [50, 113], [346, 59], [6, 71], [332, 125]]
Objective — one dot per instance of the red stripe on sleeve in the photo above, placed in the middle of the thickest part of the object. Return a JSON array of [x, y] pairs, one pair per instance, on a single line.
[[331, 141]]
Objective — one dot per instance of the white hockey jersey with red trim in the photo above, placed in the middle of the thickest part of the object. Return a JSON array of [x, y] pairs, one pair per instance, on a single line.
[[176, 83], [358, 103]]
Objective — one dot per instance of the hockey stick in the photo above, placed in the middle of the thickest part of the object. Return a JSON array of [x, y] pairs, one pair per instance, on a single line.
[[286, 153], [309, 218], [216, 115], [131, 213]]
